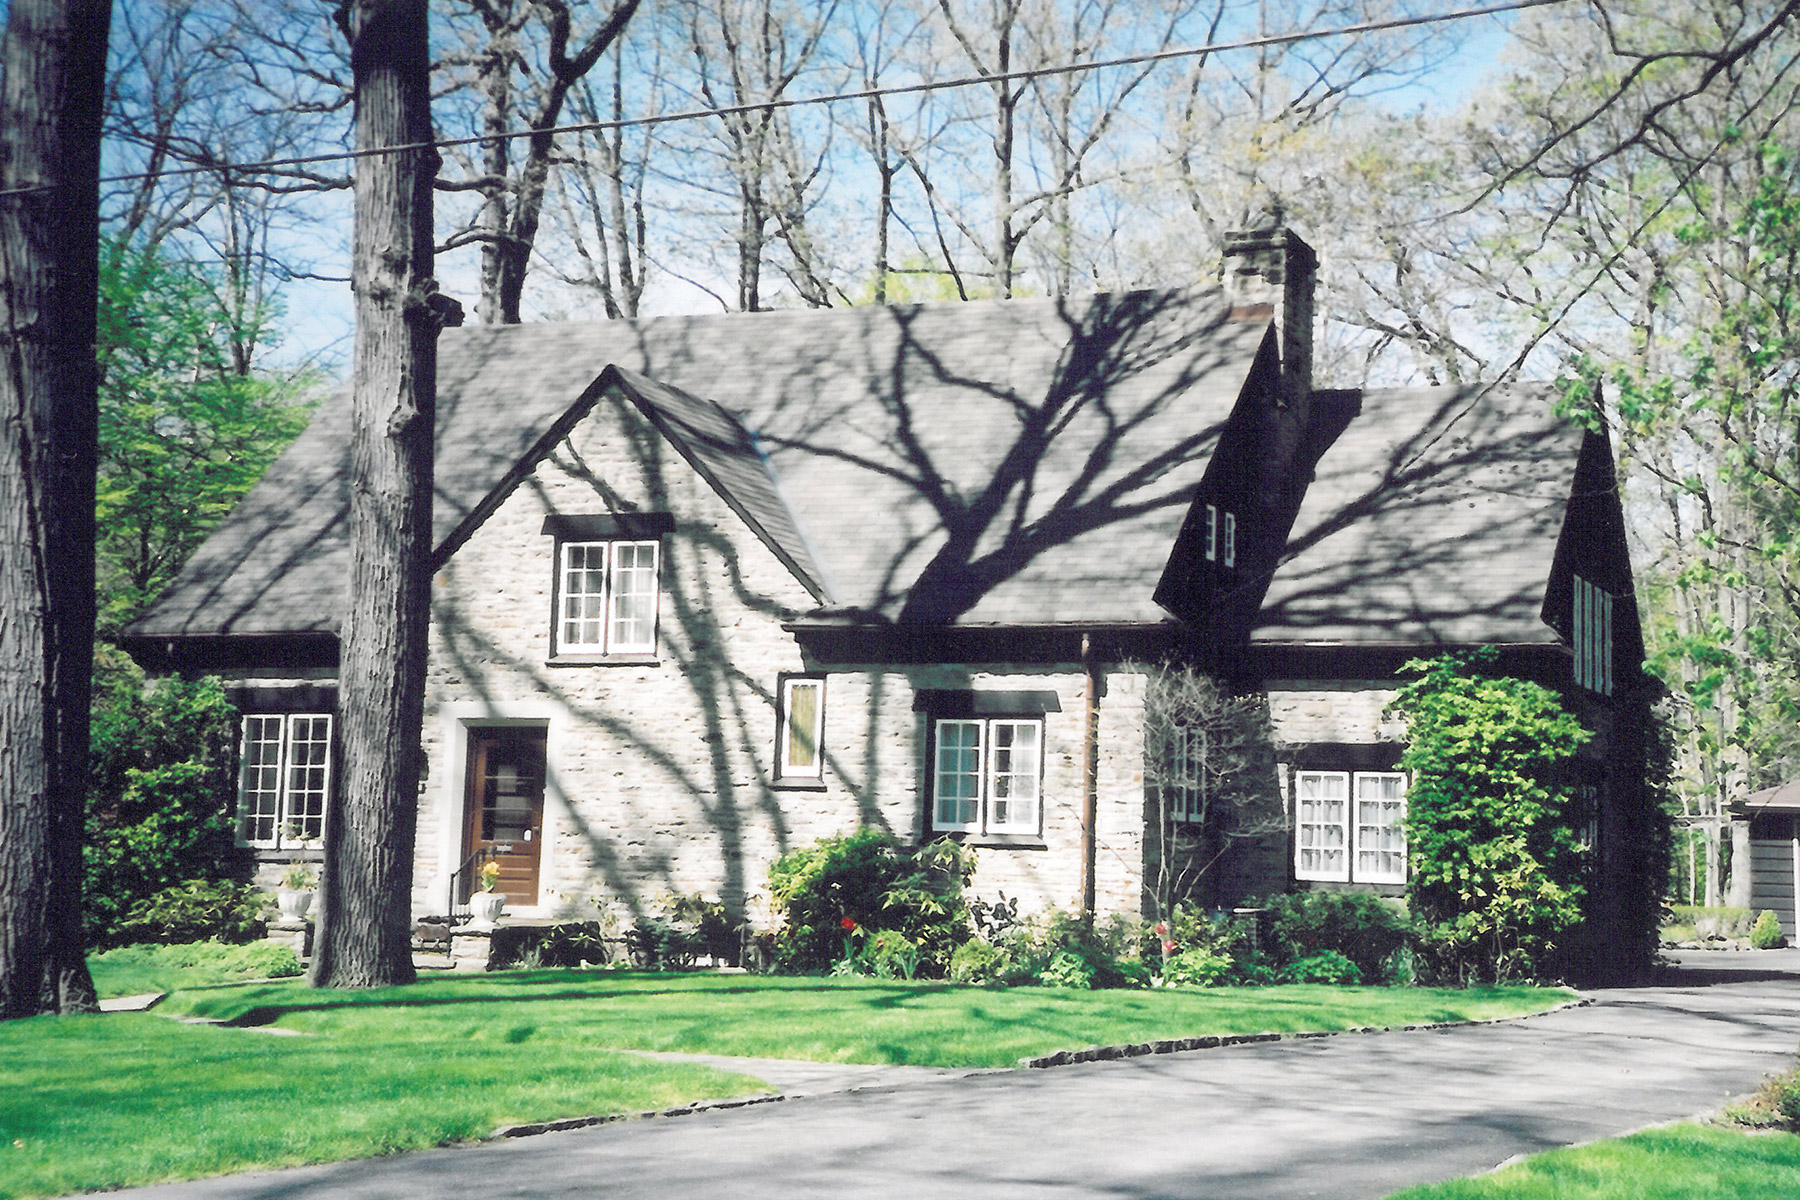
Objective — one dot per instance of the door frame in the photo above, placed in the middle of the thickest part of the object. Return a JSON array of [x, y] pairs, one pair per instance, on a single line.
[[450, 761], [474, 804]]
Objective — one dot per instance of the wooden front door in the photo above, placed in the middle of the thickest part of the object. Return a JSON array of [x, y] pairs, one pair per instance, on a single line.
[[504, 807]]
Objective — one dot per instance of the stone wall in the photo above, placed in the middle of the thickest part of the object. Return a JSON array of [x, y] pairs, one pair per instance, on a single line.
[[661, 774]]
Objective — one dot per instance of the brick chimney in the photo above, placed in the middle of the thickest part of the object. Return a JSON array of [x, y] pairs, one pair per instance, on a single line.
[[1270, 272]]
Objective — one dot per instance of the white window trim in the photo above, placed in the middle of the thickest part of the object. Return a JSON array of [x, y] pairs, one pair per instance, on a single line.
[[1212, 533], [1312, 873], [785, 767], [607, 644], [983, 822], [1357, 873], [1228, 541], [1351, 828], [285, 837]]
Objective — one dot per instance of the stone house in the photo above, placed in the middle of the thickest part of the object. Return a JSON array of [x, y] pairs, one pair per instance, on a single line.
[[708, 588]]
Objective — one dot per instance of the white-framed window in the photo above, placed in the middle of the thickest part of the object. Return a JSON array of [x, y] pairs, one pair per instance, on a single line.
[[987, 775], [1212, 533], [1228, 541], [1350, 827], [284, 776], [800, 731], [1592, 635], [607, 595], [1221, 536]]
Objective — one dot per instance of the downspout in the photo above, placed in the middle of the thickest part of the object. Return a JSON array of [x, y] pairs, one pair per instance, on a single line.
[[1090, 773]]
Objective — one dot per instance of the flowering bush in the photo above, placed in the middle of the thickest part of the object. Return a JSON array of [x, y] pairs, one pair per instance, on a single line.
[[837, 888], [488, 877]]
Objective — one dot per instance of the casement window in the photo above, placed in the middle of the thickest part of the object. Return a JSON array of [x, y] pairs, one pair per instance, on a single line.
[[987, 775], [607, 597], [1592, 634], [800, 729], [1350, 827], [1221, 536], [983, 774], [1183, 789], [284, 776]]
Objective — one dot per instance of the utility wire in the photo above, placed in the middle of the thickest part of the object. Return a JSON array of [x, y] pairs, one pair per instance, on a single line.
[[769, 106]]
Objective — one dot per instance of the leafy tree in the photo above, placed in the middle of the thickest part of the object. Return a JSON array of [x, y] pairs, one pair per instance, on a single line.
[[160, 789], [1492, 824], [187, 422]]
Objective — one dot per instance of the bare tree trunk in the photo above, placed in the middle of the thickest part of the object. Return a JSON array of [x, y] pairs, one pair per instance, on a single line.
[[365, 894], [55, 66]]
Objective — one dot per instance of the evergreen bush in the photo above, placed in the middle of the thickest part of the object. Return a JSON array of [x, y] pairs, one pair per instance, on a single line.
[[1766, 933], [868, 881], [1364, 929]]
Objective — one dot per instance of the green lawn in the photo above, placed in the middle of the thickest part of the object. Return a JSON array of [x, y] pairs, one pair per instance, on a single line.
[[1679, 1162], [834, 1020], [122, 1099]]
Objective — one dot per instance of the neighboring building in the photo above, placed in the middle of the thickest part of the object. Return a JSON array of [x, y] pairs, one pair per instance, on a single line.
[[1765, 834], [708, 588]]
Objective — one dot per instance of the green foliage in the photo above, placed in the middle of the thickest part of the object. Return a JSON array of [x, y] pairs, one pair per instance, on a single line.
[[1327, 966], [161, 794], [870, 880], [196, 911], [187, 420], [1364, 930], [976, 961], [147, 967], [1199, 967], [1718, 920], [1776, 1105], [1496, 864], [1766, 933]]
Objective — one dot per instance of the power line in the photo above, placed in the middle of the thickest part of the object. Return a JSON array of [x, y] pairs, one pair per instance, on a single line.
[[769, 106]]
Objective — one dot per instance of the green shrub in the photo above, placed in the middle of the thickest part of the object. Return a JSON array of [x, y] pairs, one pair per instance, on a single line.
[[161, 794], [976, 961], [1362, 928], [1199, 967], [199, 910], [1492, 822], [1766, 933], [1776, 1105], [871, 881], [1067, 969], [1714, 920], [1327, 966]]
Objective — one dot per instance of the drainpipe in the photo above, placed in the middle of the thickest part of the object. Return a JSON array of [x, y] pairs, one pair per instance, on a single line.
[[1090, 772]]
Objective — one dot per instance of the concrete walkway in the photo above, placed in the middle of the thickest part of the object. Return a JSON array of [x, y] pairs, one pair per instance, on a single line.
[[1343, 1117]]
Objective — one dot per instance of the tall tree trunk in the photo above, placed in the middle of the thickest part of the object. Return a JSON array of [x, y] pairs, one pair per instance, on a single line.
[[364, 939], [55, 67]]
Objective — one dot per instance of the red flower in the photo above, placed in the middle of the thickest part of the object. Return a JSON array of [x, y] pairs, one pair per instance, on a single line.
[[1168, 947], [849, 924]]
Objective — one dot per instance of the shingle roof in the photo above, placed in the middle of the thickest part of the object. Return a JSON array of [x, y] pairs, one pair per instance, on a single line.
[[1432, 520], [1019, 462]]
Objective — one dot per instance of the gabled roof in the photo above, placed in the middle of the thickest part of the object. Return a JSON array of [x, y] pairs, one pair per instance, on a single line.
[[1018, 462], [1432, 520]]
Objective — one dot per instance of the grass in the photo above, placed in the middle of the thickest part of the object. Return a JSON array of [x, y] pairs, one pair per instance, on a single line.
[[135, 970], [838, 1020], [1677, 1162], [123, 1099]]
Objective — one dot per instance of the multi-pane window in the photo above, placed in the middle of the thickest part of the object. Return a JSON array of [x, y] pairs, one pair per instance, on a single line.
[[1592, 635], [987, 775], [798, 750], [607, 595], [1350, 827], [1183, 787], [284, 775], [1221, 536]]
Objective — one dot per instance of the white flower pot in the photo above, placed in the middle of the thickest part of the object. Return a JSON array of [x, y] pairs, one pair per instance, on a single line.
[[486, 908], [293, 905]]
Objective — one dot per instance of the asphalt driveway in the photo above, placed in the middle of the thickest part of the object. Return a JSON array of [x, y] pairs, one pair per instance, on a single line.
[[1344, 1117]]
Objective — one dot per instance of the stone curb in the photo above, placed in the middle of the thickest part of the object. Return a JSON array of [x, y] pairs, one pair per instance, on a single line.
[[1064, 1058], [559, 1124]]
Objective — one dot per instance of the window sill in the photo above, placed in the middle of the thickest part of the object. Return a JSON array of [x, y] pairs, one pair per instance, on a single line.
[[603, 660], [992, 841], [802, 784]]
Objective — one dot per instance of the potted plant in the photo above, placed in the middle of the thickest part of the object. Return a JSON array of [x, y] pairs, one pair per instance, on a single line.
[[485, 905], [294, 896]]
